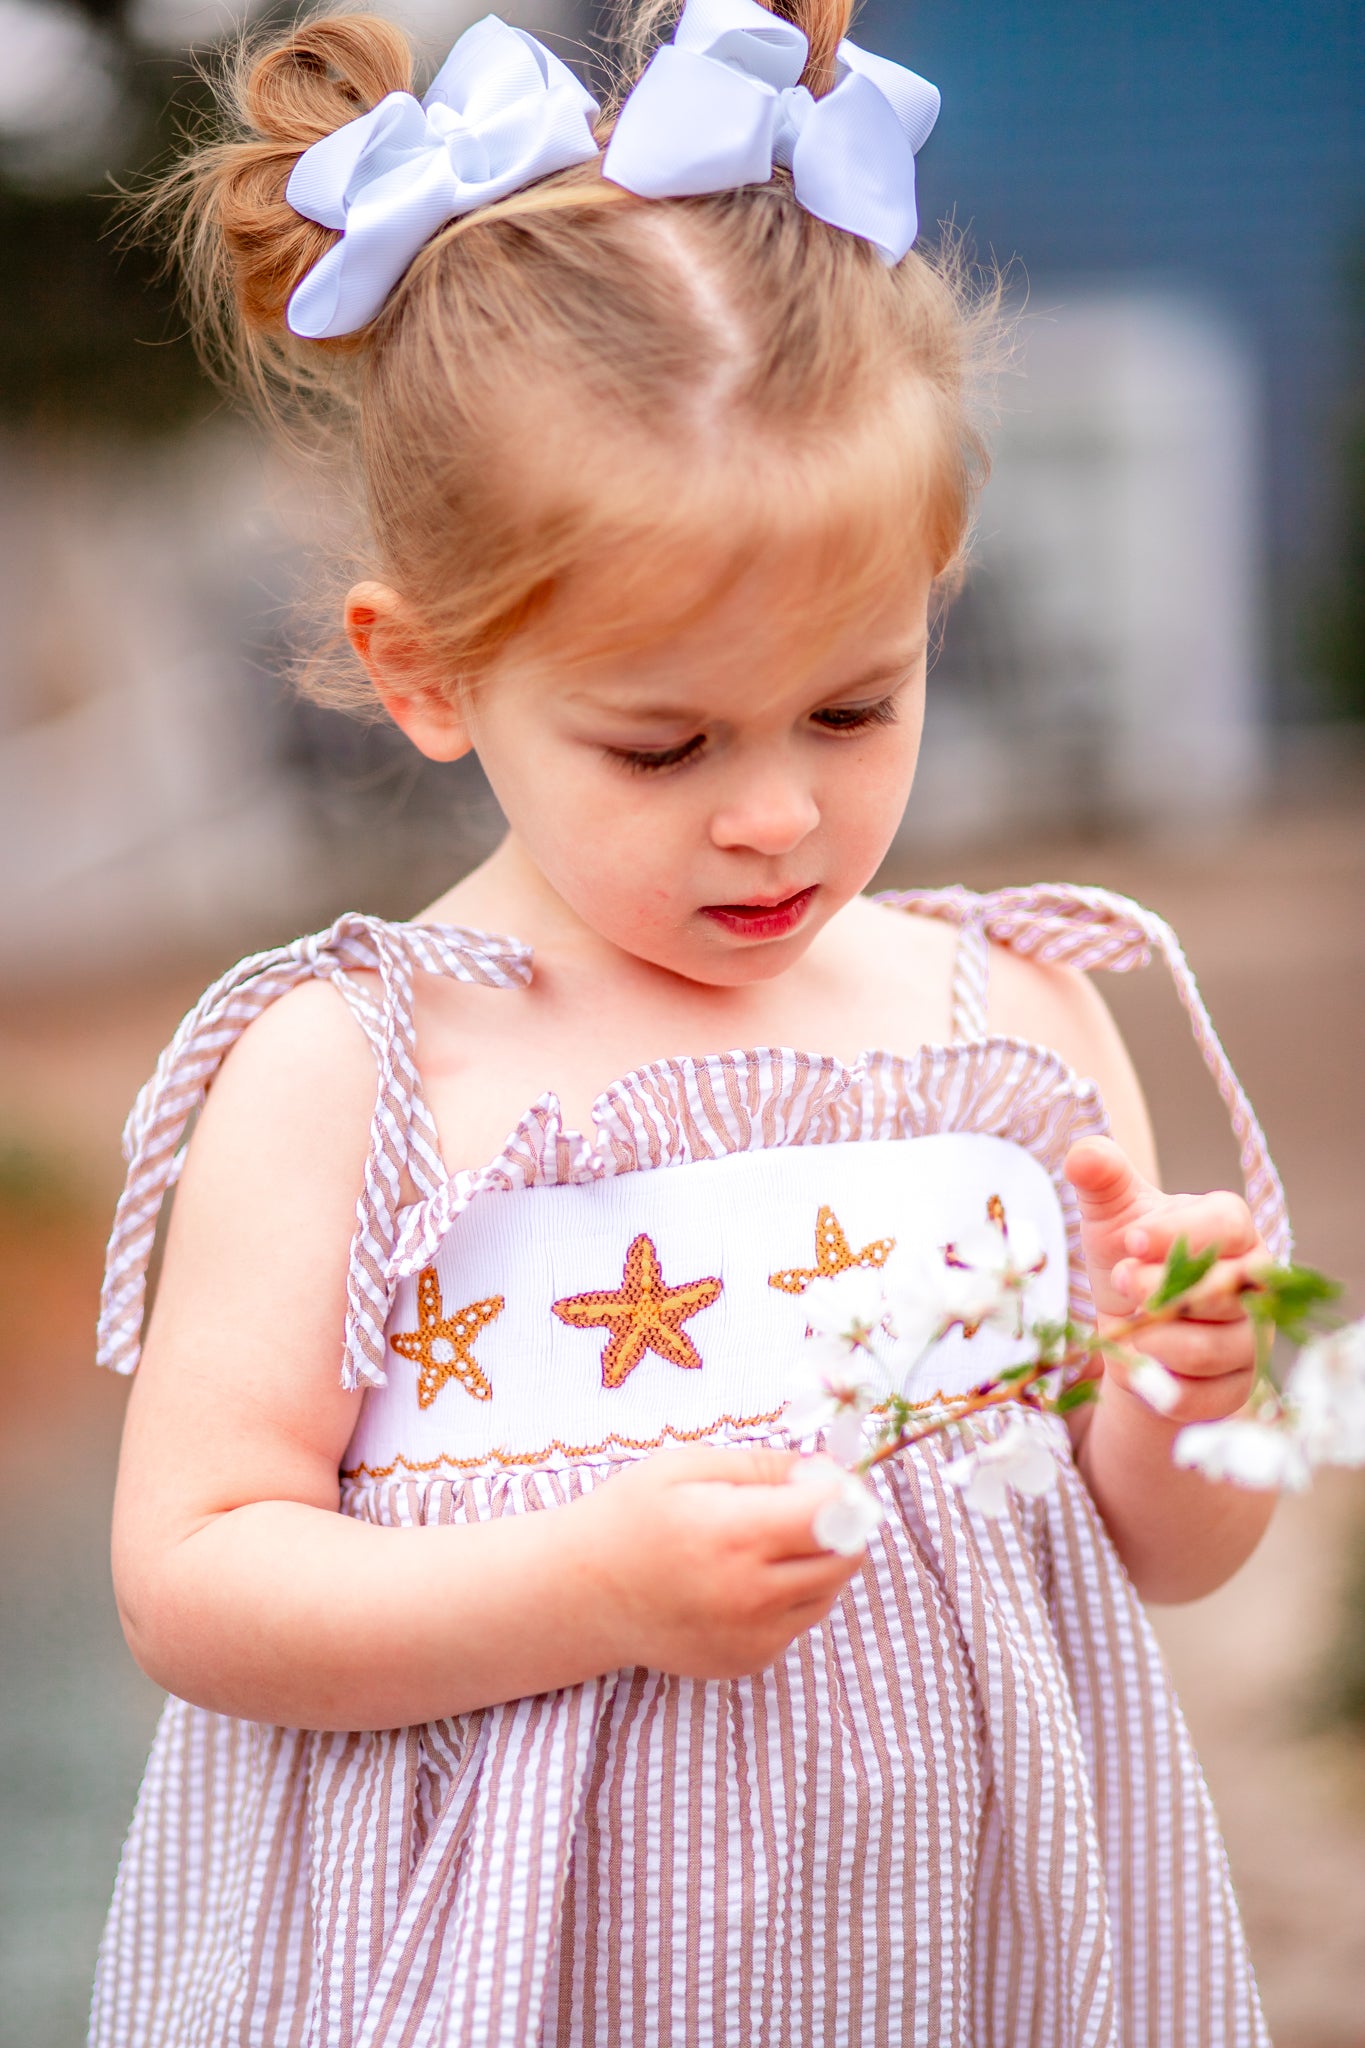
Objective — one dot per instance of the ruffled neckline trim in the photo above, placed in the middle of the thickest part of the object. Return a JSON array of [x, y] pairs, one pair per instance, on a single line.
[[676, 1111]]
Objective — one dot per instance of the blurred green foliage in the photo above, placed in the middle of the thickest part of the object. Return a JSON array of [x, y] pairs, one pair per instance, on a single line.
[[38, 1185], [1340, 1693], [1335, 623], [90, 331]]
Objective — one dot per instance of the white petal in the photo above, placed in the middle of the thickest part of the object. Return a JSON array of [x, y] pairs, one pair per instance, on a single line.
[[1152, 1383], [973, 1296], [1016, 1458], [1026, 1247], [1032, 1471], [846, 1521], [816, 1470], [1326, 1389], [835, 1305], [1014, 1438], [988, 1492], [824, 1353], [807, 1411], [958, 1471], [981, 1486], [982, 1249], [1254, 1454], [844, 1438]]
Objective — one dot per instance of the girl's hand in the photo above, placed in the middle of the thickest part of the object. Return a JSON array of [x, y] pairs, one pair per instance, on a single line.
[[705, 1562], [1127, 1229]]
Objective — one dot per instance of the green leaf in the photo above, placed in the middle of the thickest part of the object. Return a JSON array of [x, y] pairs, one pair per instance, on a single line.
[[1075, 1396], [1051, 1340], [1008, 1377], [1184, 1270], [1293, 1299]]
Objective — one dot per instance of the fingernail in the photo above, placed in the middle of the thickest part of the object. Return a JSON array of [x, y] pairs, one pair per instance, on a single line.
[[1137, 1242]]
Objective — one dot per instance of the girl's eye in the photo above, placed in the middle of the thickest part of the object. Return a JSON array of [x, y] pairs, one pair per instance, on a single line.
[[857, 717], [642, 762]]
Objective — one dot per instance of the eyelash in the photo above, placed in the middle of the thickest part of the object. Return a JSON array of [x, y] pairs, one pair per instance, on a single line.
[[853, 719]]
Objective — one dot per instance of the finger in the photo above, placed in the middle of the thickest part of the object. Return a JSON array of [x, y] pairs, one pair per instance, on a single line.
[[1202, 1351], [733, 1466], [804, 1581], [784, 1525], [1209, 1399], [811, 1613], [1217, 1297], [1221, 1218], [1108, 1184]]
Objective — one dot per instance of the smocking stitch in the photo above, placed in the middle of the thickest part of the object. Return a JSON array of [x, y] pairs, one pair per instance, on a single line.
[[442, 1346], [833, 1255], [643, 1314]]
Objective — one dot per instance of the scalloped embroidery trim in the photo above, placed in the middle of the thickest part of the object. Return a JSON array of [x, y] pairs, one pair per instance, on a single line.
[[668, 1434], [624, 1443]]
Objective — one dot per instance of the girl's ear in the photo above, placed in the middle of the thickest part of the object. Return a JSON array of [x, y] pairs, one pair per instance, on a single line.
[[396, 659]]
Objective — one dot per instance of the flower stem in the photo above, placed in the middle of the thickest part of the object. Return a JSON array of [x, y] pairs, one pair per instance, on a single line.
[[994, 1394]]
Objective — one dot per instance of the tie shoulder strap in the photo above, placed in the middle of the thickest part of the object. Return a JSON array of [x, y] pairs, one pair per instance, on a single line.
[[154, 1136], [1095, 928]]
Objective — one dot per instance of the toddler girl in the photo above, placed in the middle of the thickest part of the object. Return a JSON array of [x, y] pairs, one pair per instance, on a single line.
[[514, 1698]]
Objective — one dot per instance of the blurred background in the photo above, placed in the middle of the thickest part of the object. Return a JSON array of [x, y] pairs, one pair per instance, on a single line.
[[1155, 679]]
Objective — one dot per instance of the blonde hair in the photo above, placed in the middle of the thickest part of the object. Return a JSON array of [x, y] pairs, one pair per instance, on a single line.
[[574, 388]]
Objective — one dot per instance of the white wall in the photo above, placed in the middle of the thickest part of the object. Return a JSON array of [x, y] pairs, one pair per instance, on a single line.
[[1106, 660]]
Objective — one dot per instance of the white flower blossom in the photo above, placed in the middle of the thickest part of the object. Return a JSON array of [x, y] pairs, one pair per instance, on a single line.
[[925, 1298], [839, 1374], [997, 1261], [1249, 1453], [1152, 1383], [846, 1314], [848, 1515], [1017, 1458], [1325, 1390], [834, 1398]]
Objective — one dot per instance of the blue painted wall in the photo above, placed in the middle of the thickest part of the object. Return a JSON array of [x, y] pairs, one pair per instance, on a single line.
[[1214, 147]]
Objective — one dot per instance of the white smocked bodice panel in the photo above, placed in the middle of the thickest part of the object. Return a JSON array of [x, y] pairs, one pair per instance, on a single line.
[[557, 1323]]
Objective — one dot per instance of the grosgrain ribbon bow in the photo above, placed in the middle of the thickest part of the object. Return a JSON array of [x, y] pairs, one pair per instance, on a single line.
[[720, 105], [502, 111]]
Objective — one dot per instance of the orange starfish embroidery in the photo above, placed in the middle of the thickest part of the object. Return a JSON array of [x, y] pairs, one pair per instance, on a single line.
[[442, 1346], [832, 1255], [644, 1314]]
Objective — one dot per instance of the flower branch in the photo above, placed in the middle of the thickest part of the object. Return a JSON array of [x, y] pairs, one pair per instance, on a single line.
[[871, 1337]]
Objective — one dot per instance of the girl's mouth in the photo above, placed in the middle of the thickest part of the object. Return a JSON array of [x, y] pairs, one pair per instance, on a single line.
[[761, 919]]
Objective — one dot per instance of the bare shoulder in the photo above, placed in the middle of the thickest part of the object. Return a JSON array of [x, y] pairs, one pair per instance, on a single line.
[[1061, 1008], [1051, 1005], [298, 1085]]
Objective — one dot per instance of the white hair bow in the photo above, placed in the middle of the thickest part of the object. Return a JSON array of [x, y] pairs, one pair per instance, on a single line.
[[502, 111], [720, 105]]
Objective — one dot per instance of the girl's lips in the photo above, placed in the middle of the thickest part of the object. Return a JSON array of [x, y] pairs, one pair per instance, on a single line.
[[761, 920]]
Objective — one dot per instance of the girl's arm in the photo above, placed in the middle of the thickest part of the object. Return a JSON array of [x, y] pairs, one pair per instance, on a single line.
[[1179, 1534], [241, 1586]]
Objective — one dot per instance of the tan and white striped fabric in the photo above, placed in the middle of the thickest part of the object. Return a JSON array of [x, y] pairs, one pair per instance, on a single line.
[[964, 1810]]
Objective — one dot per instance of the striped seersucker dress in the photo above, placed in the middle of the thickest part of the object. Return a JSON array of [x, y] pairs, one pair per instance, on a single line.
[[963, 1810]]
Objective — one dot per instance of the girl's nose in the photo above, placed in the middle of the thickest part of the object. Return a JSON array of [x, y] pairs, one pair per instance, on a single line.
[[771, 816]]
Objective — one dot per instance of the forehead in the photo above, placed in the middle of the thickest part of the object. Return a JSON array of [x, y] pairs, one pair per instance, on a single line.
[[685, 634], [719, 553], [752, 662]]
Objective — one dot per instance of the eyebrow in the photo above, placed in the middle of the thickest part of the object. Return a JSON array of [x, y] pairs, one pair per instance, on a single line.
[[651, 713]]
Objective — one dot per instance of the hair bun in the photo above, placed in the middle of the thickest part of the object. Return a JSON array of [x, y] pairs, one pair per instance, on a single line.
[[242, 247], [321, 75]]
